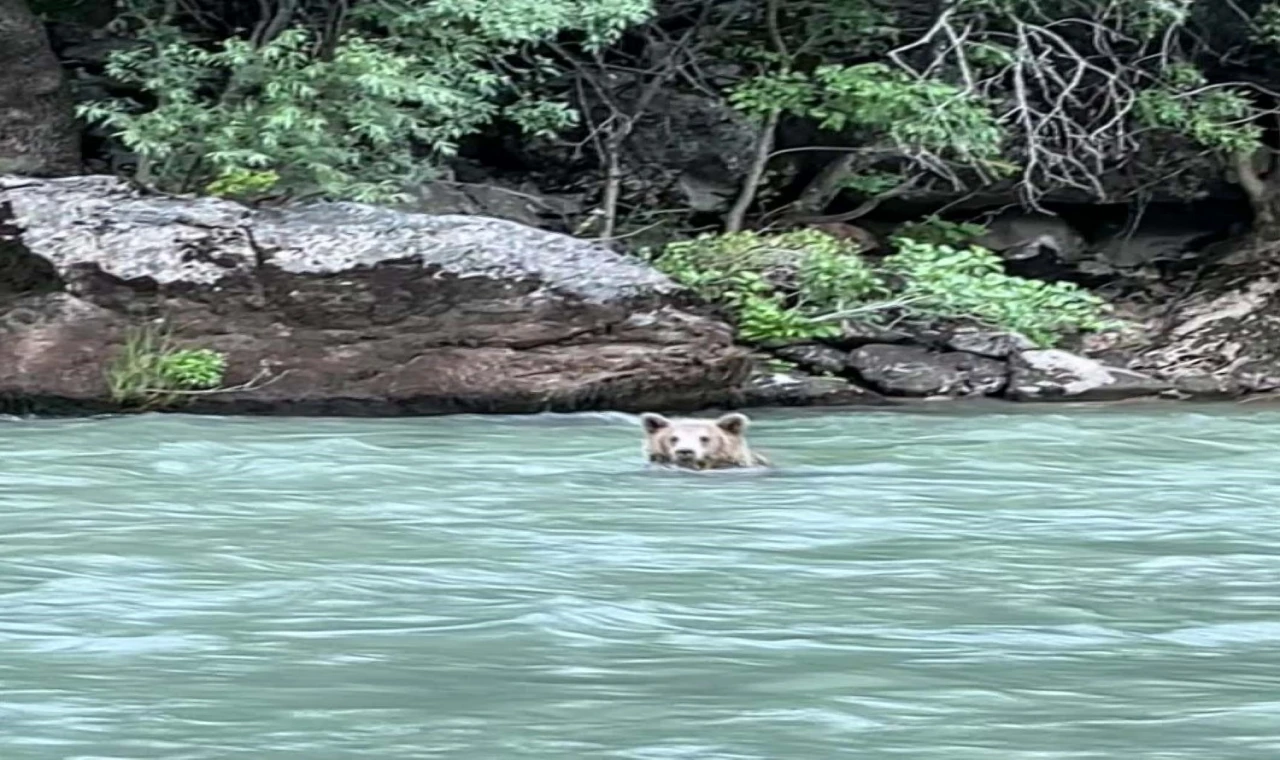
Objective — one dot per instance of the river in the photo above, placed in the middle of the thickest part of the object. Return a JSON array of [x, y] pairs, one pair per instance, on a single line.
[[941, 584]]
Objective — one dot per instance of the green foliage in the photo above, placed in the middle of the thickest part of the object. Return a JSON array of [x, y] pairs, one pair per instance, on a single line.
[[911, 112], [237, 182], [341, 128], [797, 286], [150, 372], [1050, 93], [871, 183], [362, 101], [791, 92], [937, 231], [192, 369], [1267, 25], [1149, 19], [468, 27], [948, 283], [809, 30], [776, 285], [359, 114], [1217, 118], [767, 318]]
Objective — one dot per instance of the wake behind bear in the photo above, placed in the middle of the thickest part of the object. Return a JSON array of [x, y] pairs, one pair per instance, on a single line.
[[697, 444]]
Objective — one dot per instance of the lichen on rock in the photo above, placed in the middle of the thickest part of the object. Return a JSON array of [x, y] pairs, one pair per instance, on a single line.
[[349, 309]]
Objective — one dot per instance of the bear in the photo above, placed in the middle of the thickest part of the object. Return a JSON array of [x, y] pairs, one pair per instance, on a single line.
[[698, 444]]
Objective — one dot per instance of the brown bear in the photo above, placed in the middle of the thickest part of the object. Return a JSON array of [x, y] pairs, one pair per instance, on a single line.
[[699, 444]]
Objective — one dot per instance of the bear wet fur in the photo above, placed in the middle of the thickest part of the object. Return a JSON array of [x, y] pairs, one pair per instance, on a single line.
[[699, 444]]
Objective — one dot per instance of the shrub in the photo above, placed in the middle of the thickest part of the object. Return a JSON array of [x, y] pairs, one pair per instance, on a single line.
[[340, 127], [800, 285], [938, 231], [149, 372], [779, 287], [912, 113], [948, 283], [356, 109]]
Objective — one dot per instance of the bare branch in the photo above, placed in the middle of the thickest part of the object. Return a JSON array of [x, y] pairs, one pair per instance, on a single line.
[[1067, 93], [866, 207], [735, 219]]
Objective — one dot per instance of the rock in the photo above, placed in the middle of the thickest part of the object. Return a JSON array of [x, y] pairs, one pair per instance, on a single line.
[[917, 371], [858, 334], [694, 144], [992, 344], [1228, 330], [815, 357], [1057, 375], [1034, 245], [1145, 247], [1202, 386], [52, 356], [346, 308], [524, 205], [39, 133], [1019, 236], [768, 387], [705, 186], [1164, 235]]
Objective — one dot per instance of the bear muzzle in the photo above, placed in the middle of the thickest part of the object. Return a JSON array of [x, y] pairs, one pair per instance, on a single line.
[[685, 456]]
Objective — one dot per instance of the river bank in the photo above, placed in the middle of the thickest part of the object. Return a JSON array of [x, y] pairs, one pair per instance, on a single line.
[[346, 309]]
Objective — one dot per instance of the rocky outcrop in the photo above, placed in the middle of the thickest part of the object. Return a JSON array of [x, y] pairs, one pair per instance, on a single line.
[[694, 144], [493, 197], [1054, 375], [972, 363], [918, 371], [1025, 240], [989, 343], [1223, 339], [351, 309], [768, 387], [38, 130], [340, 308], [816, 358]]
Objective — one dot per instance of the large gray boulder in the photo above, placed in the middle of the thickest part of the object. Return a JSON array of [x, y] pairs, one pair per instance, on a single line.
[[1056, 375], [340, 308], [993, 344]]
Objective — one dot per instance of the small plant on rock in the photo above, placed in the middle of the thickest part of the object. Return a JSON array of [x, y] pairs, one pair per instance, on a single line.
[[193, 369], [937, 231], [149, 372]]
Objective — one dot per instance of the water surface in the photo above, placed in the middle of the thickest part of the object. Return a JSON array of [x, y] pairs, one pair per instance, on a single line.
[[1052, 584]]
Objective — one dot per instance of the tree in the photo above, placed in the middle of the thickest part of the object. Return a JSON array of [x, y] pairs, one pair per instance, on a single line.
[[1111, 101], [38, 132], [313, 102]]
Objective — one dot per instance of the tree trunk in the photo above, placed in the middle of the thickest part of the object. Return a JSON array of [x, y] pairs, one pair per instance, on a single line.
[[38, 131]]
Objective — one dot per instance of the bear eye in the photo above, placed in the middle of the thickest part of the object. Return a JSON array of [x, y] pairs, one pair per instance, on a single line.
[[673, 440], [705, 439]]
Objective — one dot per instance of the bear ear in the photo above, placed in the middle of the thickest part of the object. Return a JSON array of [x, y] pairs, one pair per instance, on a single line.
[[653, 422], [733, 424]]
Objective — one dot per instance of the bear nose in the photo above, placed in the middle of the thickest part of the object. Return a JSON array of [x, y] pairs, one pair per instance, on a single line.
[[684, 453]]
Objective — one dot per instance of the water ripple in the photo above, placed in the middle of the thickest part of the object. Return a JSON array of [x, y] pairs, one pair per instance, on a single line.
[[1070, 584]]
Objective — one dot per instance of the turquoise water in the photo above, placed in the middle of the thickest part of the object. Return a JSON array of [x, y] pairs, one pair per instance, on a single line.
[[929, 585]]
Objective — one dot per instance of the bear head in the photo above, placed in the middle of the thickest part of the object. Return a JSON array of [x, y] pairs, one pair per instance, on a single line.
[[696, 444]]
